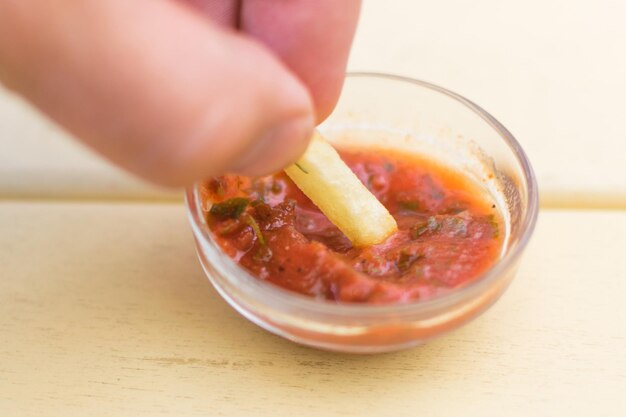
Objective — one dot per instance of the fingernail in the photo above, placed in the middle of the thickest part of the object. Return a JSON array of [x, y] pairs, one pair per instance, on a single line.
[[276, 148]]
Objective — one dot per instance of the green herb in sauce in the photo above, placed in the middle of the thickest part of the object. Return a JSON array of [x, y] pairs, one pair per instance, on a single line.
[[255, 227], [409, 205], [430, 225], [229, 209], [406, 260], [457, 226], [433, 224], [418, 230], [263, 254]]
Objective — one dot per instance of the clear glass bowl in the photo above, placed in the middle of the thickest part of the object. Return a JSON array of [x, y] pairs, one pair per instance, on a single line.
[[415, 116]]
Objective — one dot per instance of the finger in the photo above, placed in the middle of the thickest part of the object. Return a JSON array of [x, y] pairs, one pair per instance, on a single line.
[[225, 12], [312, 37], [155, 87]]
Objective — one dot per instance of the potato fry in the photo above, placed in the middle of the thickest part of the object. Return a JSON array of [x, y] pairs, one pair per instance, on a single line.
[[323, 177]]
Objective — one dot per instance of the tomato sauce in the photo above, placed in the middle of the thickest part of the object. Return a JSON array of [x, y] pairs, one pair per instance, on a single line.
[[449, 232]]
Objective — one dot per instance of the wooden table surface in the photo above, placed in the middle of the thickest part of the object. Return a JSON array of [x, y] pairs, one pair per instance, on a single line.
[[104, 309]]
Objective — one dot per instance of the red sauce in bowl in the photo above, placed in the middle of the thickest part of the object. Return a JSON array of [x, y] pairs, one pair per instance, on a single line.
[[449, 232]]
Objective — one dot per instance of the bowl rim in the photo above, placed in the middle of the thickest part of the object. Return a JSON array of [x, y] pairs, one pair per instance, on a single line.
[[279, 297]]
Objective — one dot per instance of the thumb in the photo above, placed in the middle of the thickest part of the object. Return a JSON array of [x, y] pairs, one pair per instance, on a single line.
[[155, 87]]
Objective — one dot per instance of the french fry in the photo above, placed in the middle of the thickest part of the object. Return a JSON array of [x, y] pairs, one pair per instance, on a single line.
[[323, 177]]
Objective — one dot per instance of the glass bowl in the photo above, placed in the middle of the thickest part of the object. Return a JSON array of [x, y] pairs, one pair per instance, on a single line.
[[414, 116]]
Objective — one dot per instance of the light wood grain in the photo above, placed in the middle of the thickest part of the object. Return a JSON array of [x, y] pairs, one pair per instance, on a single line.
[[551, 71], [104, 311]]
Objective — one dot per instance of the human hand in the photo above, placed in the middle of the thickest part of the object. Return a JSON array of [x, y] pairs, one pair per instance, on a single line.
[[169, 89]]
